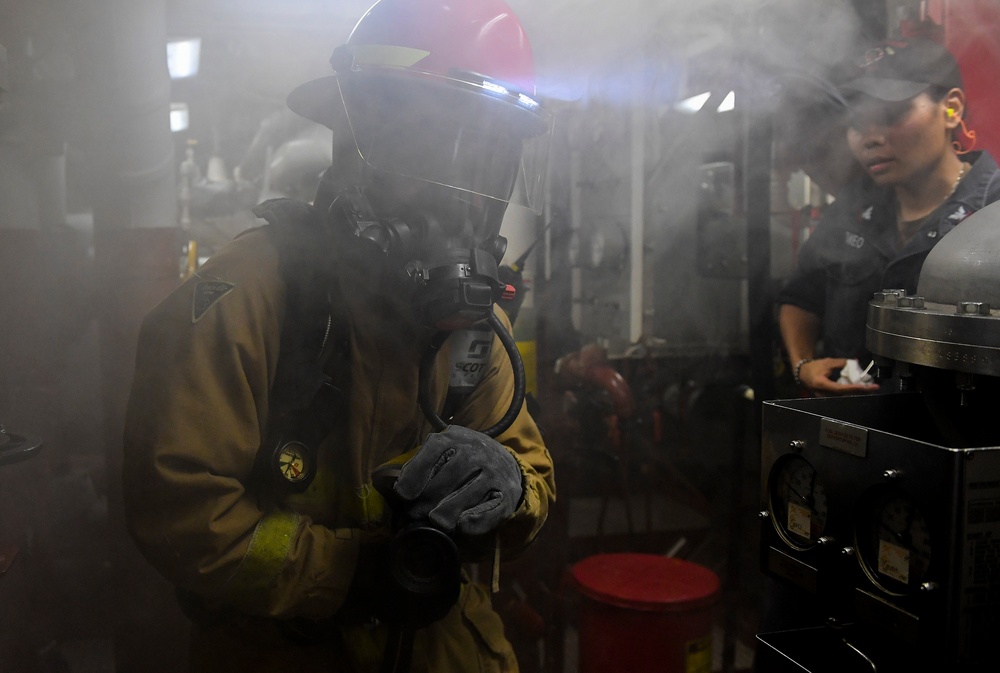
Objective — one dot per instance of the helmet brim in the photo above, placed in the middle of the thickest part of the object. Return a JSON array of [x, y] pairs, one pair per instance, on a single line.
[[317, 100], [382, 110], [889, 90]]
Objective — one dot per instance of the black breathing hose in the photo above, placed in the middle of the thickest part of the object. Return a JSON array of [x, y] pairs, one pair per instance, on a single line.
[[427, 365]]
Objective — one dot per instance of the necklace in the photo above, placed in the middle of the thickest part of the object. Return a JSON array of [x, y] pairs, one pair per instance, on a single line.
[[961, 174]]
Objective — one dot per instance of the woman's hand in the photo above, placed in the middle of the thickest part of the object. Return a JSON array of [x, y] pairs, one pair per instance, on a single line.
[[815, 377]]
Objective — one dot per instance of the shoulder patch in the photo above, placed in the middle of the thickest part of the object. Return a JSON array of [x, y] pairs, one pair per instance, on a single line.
[[206, 293]]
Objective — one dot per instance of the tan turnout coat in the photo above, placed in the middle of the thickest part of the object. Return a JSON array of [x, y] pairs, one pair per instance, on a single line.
[[197, 417]]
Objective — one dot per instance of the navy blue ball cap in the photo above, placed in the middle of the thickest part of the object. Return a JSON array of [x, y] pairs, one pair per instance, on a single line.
[[899, 69]]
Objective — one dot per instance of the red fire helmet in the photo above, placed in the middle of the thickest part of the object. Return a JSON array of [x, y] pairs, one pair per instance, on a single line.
[[446, 38], [440, 91]]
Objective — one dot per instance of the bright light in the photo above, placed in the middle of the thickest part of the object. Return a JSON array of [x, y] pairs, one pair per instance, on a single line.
[[694, 103], [728, 103], [495, 88], [183, 57], [180, 118], [527, 102]]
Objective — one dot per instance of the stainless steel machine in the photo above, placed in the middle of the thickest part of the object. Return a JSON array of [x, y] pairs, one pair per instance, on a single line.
[[884, 510]]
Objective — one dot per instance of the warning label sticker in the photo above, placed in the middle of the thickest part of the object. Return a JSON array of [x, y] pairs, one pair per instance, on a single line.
[[894, 561], [799, 521]]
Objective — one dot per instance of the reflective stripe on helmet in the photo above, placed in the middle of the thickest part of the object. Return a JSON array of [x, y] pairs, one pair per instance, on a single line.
[[386, 55]]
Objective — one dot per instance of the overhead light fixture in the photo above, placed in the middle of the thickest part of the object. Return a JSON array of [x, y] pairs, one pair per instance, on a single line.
[[183, 57], [180, 117], [728, 103], [694, 103]]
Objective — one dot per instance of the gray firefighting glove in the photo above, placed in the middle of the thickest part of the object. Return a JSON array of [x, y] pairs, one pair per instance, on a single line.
[[461, 481]]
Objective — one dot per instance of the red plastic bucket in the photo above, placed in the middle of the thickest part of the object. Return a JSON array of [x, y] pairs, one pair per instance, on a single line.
[[643, 613]]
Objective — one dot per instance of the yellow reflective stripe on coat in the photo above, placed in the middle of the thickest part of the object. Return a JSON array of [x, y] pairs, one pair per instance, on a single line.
[[328, 502], [269, 548], [370, 507]]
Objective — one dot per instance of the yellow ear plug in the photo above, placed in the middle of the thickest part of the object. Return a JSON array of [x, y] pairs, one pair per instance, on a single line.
[[951, 112]]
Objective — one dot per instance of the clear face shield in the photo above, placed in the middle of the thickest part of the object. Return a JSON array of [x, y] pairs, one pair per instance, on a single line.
[[458, 150], [437, 160]]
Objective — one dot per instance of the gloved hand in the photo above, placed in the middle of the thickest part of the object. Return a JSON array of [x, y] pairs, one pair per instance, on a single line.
[[461, 481]]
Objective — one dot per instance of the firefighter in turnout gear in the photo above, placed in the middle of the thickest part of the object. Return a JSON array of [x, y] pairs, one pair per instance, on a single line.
[[304, 356]]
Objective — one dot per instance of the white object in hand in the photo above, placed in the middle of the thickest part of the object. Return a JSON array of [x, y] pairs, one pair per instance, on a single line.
[[852, 373]]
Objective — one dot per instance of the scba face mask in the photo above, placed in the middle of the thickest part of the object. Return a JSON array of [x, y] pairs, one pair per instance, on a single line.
[[437, 249]]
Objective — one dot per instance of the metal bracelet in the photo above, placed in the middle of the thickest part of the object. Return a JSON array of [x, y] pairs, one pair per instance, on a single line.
[[797, 368]]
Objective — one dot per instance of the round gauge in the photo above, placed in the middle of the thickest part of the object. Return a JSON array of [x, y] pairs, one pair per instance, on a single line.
[[893, 541], [294, 464], [798, 501]]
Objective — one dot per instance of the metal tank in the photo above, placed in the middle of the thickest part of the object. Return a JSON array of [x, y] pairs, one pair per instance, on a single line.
[[884, 510]]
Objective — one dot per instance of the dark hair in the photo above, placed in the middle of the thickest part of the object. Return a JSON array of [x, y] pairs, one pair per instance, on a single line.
[[937, 93]]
